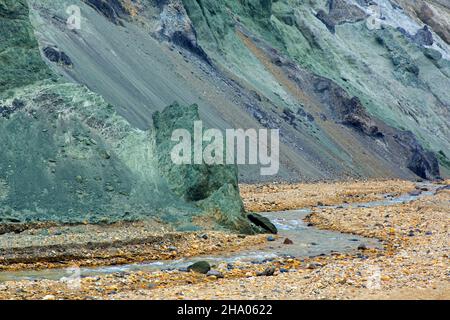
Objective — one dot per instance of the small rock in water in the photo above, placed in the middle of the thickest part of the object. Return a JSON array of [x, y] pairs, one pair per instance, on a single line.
[[428, 233], [230, 266], [215, 273], [183, 269], [200, 267], [415, 193], [411, 233], [313, 265], [362, 246], [283, 270], [204, 236], [320, 204], [313, 244], [267, 272], [270, 238], [288, 241]]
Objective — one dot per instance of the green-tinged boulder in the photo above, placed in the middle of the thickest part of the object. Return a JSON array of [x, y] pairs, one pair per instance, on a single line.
[[213, 188], [200, 267]]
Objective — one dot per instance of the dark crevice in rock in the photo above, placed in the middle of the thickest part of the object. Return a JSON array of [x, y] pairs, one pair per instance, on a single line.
[[55, 55]]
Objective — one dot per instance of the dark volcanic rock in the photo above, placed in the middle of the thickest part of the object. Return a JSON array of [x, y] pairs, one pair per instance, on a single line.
[[263, 222], [423, 37], [267, 272], [349, 111], [423, 163], [56, 56]]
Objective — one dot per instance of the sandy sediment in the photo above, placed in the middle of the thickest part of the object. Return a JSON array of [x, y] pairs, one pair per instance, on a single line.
[[278, 197]]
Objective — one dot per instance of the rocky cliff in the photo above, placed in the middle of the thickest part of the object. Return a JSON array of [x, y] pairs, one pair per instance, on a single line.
[[349, 100], [68, 157]]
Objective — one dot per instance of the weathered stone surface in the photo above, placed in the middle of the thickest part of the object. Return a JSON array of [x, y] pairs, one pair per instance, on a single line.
[[200, 267], [339, 12], [214, 188], [263, 222], [20, 59], [176, 26]]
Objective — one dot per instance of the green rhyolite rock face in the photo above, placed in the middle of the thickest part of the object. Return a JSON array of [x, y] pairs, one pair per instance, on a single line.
[[213, 188], [66, 156], [20, 60]]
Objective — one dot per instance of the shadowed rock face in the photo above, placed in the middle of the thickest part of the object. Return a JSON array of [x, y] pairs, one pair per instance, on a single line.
[[176, 26]]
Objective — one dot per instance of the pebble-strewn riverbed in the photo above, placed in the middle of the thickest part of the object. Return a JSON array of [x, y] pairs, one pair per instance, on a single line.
[[413, 261]]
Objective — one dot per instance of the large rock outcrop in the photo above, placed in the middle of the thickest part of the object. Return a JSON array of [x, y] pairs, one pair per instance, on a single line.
[[213, 188]]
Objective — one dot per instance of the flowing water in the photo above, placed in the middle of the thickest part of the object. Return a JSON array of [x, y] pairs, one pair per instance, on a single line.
[[307, 242]]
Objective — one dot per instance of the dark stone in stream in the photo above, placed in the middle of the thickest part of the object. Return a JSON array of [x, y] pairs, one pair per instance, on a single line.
[[415, 193], [200, 267], [267, 272], [362, 246], [270, 238], [262, 222], [288, 241]]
